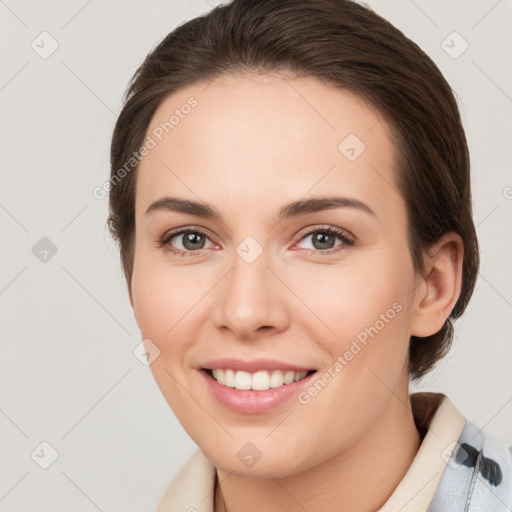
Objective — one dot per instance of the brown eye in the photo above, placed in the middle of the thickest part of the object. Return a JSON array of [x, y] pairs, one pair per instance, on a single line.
[[323, 240], [185, 242], [192, 240]]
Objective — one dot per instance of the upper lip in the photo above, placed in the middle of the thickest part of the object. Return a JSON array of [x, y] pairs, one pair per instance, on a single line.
[[253, 365]]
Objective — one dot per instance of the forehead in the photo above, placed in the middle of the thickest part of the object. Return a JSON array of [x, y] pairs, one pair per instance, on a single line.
[[271, 136]]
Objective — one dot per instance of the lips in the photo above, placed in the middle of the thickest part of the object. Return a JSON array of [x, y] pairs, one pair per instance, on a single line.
[[250, 401], [253, 365]]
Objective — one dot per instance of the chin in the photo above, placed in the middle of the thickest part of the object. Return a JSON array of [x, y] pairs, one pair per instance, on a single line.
[[257, 460]]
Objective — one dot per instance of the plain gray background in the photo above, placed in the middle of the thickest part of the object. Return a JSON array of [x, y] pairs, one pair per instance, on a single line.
[[68, 373]]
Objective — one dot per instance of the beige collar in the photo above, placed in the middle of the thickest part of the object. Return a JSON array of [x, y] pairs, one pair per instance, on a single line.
[[193, 487], [435, 413]]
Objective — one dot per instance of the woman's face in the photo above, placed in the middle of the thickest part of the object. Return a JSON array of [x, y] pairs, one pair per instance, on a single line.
[[258, 281]]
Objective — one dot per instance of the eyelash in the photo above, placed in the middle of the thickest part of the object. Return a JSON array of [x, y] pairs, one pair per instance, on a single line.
[[331, 230]]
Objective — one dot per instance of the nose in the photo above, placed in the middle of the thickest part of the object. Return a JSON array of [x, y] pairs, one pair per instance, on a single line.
[[251, 300]]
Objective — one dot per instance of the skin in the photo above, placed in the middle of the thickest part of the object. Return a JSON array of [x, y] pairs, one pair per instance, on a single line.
[[251, 145]]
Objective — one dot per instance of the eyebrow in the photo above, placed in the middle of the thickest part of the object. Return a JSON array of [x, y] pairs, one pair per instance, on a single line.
[[295, 209]]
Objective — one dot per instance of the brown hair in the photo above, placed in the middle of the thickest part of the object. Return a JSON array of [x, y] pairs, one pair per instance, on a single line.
[[344, 44]]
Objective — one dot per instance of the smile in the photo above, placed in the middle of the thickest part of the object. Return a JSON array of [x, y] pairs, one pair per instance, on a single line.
[[255, 392], [260, 380]]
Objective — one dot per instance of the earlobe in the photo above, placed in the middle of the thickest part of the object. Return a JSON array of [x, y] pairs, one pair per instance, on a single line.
[[440, 289]]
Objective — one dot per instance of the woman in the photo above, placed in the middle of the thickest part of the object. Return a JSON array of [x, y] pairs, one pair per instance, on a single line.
[[290, 190]]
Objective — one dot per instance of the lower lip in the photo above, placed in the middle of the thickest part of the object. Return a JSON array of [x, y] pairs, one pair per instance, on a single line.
[[250, 401]]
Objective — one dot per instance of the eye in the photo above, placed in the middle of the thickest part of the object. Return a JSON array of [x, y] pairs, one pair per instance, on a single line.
[[190, 241], [323, 239]]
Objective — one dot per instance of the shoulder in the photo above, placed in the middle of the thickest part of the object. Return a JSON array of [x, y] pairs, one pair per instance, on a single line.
[[478, 474]]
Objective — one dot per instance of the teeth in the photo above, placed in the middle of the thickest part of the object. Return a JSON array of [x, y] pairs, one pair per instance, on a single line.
[[258, 381]]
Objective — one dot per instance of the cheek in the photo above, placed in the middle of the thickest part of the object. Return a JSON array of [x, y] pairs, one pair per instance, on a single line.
[[348, 299], [365, 315], [164, 298], [161, 304], [164, 307]]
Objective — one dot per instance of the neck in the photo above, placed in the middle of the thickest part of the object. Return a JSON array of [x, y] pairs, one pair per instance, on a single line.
[[360, 478]]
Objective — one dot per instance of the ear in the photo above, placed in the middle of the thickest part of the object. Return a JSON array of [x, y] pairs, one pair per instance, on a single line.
[[437, 293]]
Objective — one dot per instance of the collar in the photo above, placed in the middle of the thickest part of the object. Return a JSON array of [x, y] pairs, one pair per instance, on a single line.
[[435, 414], [437, 420]]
